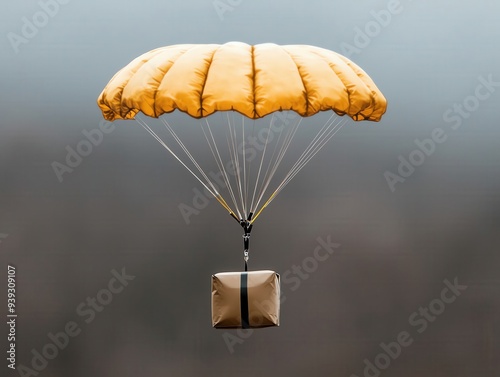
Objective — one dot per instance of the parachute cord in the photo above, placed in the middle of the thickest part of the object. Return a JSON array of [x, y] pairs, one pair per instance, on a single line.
[[311, 154], [314, 147], [273, 195], [233, 153], [284, 148], [186, 151], [273, 162], [212, 191], [262, 159], [245, 186], [243, 194], [220, 164]]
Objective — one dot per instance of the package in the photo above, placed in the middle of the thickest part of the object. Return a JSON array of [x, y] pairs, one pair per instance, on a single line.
[[245, 299]]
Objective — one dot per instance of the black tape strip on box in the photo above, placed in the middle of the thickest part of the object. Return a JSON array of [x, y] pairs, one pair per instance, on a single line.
[[245, 322]]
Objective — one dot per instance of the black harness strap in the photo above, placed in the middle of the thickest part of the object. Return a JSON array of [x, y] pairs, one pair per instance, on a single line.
[[247, 228]]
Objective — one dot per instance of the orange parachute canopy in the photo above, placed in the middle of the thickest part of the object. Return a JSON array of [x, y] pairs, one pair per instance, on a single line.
[[200, 79]]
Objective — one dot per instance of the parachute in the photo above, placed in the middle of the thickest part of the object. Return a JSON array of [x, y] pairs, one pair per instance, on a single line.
[[259, 82]]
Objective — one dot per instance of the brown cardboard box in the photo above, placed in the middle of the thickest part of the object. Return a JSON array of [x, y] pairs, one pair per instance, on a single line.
[[245, 299]]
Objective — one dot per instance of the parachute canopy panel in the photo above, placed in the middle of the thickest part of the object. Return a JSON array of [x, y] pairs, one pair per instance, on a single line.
[[200, 79]]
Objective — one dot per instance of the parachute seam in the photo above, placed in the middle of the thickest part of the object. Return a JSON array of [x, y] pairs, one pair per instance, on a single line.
[[373, 93], [205, 81], [129, 79], [163, 77], [254, 75], [372, 104], [328, 62], [301, 79]]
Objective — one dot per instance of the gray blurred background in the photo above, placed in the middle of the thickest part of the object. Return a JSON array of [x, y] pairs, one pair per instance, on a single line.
[[119, 208]]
